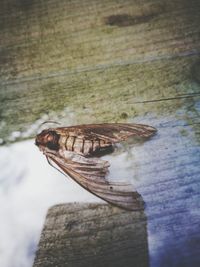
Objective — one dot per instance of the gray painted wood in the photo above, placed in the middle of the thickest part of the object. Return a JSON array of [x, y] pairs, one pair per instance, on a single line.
[[99, 235]]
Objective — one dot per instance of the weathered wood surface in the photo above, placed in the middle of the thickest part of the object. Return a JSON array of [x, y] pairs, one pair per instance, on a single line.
[[99, 61], [80, 235], [52, 53]]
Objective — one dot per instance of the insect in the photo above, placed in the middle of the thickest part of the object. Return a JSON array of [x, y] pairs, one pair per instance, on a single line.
[[76, 151]]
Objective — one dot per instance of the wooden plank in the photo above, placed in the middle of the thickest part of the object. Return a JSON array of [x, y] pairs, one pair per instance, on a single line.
[[51, 54], [45, 37], [93, 235], [159, 87]]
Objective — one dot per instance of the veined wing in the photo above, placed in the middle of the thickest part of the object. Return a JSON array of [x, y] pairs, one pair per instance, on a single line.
[[90, 173], [109, 132]]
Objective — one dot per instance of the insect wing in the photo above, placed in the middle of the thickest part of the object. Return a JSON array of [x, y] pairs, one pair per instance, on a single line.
[[90, 174], [112, 132]]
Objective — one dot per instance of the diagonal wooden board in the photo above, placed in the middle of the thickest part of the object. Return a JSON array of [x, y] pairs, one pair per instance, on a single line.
[[84, 234]]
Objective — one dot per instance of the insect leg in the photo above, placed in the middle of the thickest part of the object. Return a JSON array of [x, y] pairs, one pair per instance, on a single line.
[[55, 167]]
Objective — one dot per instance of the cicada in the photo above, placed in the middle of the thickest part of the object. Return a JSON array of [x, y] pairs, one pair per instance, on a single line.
[[77, 151]]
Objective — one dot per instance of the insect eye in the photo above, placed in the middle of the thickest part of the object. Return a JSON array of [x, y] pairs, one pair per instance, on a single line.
[[52, 140], [51, 145]]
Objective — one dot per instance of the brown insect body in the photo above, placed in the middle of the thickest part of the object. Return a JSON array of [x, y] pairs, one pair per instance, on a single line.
[[74, 150], [81, 145]]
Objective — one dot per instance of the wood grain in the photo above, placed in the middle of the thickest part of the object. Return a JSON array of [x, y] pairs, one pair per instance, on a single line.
[[54, 53], [97, 235]]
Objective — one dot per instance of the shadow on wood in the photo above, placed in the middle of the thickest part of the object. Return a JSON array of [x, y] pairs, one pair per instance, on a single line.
[[79, 235]]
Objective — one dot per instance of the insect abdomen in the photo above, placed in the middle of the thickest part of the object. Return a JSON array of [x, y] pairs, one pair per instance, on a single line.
[[83, 146]]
